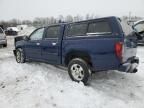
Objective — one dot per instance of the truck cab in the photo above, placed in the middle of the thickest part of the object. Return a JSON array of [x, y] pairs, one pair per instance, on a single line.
[[84, 47]]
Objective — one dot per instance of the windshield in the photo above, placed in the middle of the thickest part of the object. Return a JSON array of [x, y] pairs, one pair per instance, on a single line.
[[1, 31], [139, 27]]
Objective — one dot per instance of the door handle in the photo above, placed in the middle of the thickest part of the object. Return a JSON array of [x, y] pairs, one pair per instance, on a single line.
[[54, 43], [38, 44]]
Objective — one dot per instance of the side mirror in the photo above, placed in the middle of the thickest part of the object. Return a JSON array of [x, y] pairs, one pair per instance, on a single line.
[[26, 38]]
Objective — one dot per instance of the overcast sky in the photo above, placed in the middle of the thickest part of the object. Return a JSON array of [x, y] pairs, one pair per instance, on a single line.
[[28, 9]]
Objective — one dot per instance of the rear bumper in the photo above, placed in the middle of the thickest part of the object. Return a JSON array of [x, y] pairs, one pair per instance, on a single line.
[[130, 66]]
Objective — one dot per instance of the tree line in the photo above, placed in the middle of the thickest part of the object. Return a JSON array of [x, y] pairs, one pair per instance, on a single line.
[[44, 21]]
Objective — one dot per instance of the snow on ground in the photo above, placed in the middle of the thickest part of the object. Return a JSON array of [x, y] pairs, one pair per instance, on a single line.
[[40, 85]]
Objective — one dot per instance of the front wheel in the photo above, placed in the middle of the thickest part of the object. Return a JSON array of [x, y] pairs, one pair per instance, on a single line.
[[20, 55], [79, 70]]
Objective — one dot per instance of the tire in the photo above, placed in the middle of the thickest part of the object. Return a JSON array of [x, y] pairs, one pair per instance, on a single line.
[[79, 70], [5, 45], [20, 58]]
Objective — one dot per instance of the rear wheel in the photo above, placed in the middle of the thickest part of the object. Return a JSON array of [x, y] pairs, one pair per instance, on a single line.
[[79, 70], [20, 58]]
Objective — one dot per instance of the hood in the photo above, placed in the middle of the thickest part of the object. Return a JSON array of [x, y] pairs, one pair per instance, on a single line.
[[13, 29]]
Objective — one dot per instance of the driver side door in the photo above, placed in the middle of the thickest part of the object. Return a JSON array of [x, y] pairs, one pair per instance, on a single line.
[[33, 45]]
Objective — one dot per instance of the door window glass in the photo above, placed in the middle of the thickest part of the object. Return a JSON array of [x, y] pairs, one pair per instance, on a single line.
[[37, 35], [53, 32]]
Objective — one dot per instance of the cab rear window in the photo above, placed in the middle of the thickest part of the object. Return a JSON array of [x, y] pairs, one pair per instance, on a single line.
[[100, 27]]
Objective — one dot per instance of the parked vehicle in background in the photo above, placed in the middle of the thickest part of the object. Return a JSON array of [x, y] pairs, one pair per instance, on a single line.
[[26, 31], [22, 27], [84, 47], [2, 27], [139, 27], [11, 31], [3, 40]]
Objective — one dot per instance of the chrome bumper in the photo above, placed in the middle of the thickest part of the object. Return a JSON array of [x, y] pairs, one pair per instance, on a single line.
[[130, 66]]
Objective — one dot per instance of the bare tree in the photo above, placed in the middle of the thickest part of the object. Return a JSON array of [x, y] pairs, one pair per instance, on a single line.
[[27, 22], [60, 18], [78, 18], [69, 18]]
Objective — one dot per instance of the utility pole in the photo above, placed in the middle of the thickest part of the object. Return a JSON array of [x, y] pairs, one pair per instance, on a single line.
[[129, 16]]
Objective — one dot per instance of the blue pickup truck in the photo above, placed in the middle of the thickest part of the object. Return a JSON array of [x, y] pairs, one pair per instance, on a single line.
[[84, 47]]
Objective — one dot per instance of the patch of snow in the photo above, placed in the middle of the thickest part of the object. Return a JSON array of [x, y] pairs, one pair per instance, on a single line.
[[40, 85]]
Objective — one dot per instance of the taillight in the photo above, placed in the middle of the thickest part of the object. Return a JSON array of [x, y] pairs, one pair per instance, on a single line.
[[119, 49]]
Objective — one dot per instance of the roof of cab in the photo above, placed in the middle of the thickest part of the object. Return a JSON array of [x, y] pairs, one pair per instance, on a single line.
[[64, 23]]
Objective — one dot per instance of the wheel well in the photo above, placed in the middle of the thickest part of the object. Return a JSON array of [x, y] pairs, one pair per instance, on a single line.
[[18, 48], [78, 54], [15, 50]]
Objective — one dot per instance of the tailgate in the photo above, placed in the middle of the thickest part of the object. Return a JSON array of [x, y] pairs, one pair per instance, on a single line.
[[130, 42], [130, 48]]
